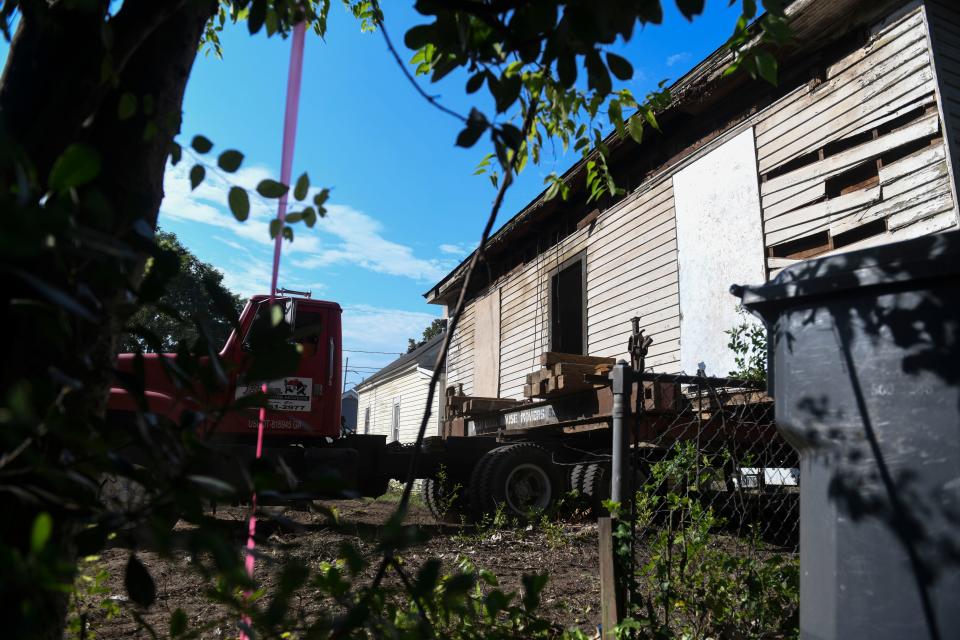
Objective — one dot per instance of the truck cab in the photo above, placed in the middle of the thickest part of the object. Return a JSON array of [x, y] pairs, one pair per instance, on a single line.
[[302, 414]]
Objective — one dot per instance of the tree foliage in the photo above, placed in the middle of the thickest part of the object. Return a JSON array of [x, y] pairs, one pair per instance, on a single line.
[[195, 294], [434, 329]]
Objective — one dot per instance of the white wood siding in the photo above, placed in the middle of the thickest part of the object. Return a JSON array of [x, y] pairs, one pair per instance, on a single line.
[[632, 271], [410, 391]]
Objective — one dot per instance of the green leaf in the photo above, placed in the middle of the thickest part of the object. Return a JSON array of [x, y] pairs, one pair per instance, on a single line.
[[239, 203], [126, 106], [619, 66], [321, 197], [230, 160], [197, 174], [178, 623], [176, 152], [78, 165], [302, 187], [309, 216], [533, 584], [212, 486], [419, 36], [257, 15], [475, 82], [476, 125], [690, 8], [40, 533], [271, 188], [139, 583], [294, 218], [567, 69], [767, 66], [598, 78], [201, 144], [275, 226], [635, 129]]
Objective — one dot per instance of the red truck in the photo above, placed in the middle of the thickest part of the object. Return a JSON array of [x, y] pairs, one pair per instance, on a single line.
[[303, 408]]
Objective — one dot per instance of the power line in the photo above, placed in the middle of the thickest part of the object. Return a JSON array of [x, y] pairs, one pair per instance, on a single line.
[[386, 353]]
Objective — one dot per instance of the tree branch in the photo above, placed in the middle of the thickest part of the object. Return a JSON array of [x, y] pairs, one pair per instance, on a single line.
[[378, 19]]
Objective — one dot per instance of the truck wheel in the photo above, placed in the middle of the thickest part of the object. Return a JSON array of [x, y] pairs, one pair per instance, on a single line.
[[596, 485], [443, 506], [576, 478], [478, 495], [127, 496], [520, 476]]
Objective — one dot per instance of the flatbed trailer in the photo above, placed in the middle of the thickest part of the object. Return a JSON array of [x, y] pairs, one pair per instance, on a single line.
[[491, 451]]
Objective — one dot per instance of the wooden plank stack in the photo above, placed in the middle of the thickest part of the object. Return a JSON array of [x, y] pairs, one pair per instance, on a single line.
[[563, 373]]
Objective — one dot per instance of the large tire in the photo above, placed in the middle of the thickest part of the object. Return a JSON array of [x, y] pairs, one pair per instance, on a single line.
[[477, 490], [439, 504], [126, 497], [576, 478], [521, 477], [595, 485]]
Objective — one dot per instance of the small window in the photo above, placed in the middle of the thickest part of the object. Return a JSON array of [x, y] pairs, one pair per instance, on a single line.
[[366, 421], [567, 309], [395, 423]]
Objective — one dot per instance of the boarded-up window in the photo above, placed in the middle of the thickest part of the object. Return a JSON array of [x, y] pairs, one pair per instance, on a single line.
[[486, 346], [719, 243]]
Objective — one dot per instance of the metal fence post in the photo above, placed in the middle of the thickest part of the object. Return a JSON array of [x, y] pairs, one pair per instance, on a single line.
[[621, 384], [612, 572]]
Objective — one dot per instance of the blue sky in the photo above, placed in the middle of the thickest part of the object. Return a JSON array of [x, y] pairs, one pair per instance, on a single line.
[[404, 207]]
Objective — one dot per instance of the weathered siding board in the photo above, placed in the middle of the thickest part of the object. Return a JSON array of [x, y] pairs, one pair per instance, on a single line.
[[893, 74], [460, 356], [409, 390]]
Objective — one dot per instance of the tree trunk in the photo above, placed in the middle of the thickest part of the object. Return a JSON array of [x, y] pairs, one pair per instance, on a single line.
[[65, 74]]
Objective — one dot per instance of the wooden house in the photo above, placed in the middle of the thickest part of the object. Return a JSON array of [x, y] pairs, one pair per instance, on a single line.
[[857, 145], [391, 401]]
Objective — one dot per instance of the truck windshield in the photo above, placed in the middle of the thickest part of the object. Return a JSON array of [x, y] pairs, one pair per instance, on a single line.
[[261, 321]]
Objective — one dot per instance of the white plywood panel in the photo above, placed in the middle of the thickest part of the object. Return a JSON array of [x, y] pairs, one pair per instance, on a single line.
[[719, 243], [486, 346]]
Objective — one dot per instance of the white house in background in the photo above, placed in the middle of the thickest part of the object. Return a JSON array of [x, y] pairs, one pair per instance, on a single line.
[[391, 401]]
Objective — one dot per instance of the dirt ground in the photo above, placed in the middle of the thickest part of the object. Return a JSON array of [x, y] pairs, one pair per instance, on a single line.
[[567, 550]]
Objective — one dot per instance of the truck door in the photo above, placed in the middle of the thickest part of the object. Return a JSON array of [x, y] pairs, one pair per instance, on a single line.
[[306, 402]]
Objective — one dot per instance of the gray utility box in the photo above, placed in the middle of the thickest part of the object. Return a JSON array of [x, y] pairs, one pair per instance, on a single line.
[[864, 369]]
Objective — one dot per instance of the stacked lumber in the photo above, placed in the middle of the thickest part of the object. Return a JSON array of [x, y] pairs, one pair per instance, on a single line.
[[562, 373], [459, 404]]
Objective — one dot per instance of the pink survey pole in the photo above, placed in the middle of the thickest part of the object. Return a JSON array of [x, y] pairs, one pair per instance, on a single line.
[[294, 77]]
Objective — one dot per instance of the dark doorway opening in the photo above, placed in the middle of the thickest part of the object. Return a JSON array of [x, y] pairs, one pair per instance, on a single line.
[[567, 309]]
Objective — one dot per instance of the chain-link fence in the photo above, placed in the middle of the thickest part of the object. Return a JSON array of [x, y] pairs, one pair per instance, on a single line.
[[714, 526]]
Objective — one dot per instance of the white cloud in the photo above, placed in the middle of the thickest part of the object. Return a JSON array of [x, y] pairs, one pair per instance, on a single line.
[[368, 328], [678, 58], [344, 236], [379, 329], [457, 250], [357, 239]]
